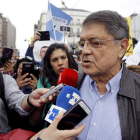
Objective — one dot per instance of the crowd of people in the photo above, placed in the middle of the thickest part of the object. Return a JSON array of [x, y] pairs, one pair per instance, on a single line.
[[107, 85]]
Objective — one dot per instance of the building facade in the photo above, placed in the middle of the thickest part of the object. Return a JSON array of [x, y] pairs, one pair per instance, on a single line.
[[0, 30], [8, 34], [135, 25], [75, 25]]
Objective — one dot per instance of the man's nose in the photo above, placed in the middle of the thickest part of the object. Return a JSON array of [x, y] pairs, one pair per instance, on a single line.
[[86, 49]]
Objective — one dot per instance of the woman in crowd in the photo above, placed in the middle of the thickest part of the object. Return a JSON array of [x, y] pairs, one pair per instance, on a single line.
[[27, 85], [24, 83], [57, 59]]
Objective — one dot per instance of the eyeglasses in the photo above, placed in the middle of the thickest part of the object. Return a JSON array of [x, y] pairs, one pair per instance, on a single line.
[[94, 42]]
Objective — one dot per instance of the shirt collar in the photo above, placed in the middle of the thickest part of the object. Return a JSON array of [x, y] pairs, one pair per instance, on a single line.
[[112, 83]]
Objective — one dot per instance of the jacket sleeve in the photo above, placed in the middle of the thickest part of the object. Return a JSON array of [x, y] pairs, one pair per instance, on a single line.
[[13, 95], [29, 52]]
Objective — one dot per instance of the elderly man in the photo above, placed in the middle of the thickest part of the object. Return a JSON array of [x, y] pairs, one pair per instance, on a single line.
[[107, 86]]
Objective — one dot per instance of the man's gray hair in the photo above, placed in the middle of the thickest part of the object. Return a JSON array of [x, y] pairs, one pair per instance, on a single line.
[[114, 23]]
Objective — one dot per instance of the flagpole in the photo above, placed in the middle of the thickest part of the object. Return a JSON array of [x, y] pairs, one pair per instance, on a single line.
[[52, 22]]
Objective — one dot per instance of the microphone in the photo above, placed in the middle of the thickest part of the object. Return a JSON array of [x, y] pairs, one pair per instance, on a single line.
[[67, 97], [67, 77]]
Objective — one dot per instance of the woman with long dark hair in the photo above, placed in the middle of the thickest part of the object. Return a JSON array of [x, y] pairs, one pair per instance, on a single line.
[[57, 58]]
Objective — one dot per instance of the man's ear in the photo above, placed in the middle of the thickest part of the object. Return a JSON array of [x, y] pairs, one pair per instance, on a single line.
[[123, 44]]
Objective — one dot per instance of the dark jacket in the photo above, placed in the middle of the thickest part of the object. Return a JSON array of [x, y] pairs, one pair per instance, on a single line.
[[29, 52], [128, 100]]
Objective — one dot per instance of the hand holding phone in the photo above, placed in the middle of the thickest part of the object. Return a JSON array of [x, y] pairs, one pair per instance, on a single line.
[[74, 115], [31, 68], [8, 53], [45, 35]]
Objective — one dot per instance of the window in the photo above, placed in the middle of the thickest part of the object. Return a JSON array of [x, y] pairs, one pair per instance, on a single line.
[[78, 32], [78, 22]]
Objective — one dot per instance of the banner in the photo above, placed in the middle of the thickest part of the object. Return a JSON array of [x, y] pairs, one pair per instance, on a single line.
[[55, 19], [130, 47]]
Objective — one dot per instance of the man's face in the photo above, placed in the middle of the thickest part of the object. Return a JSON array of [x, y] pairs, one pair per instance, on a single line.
[[104, 60], [42, 52]]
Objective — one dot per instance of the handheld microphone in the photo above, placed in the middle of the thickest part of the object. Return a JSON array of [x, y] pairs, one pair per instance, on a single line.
[[67, 97], [67, 77]]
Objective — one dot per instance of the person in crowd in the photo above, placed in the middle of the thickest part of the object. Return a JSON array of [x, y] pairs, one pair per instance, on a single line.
[[52, 133], [24, 104], [27, 85], [15, 99], [57, 59], [107, 86], [43, 50]]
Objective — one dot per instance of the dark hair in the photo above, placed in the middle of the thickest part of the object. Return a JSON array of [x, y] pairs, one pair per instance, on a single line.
[[114, 23], [16, 66], [47, 71]]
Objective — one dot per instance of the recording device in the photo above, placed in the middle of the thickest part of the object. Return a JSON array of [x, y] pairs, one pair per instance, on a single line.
[[67, 77], [3, 60], [53, 90], [77, 113], [45, 35], [7, 54], [31, 68], [67, 97]]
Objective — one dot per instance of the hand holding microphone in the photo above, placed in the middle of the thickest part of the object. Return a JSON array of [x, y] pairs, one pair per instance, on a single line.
[[67, 77], [67, 97]]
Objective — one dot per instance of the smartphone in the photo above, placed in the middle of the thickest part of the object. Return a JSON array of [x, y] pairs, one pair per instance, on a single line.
[[27, 67], [8, 53], [53, 90], [31, 68], [78, 112], [45, 35]]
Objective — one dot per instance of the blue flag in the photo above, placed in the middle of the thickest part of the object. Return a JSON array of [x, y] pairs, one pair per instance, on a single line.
[[55, 19]]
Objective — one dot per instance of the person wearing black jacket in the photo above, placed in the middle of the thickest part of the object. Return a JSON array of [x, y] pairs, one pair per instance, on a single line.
[[107, 86]]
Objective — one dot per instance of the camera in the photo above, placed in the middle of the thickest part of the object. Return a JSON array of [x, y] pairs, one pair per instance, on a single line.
[[6, 55], [3, 60]]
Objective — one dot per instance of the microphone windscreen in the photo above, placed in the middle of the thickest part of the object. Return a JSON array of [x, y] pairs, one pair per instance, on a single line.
[[68, 77], [67, 97]]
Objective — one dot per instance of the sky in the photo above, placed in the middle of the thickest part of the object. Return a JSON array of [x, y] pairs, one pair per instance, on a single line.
[[23, 14]]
